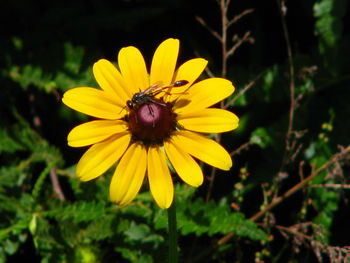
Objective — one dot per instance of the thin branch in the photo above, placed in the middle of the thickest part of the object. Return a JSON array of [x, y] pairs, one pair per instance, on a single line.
[[223, 4], [211, 184], [238, 17], [301, 173], [296, 152], [227, 3], [277, 200], [335, 254], [56, 184], [282, 9], [207, 69], [240, 41], [212, 31], [225, 24], [223, 39], [224, 27], [244, 146], [293, 231], [335, 158], [243, 91], [38, 124], [212, 175], [36, 118], [209, 73]]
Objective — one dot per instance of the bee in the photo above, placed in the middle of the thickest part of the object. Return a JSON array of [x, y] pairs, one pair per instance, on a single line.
[[147, 96]]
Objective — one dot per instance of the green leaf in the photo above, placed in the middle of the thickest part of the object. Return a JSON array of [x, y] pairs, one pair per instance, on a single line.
[[15, 229], [73, 58], [7, 143], [40, 181], [134, 255], [13, 175], [210, 219], [86, 254], [78, 212], [101, 229], [261, 137], [32, 75], [142, 233], [329, 29]]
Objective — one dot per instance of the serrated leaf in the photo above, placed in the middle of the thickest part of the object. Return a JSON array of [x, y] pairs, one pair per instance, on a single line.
[[12, 175], [329, 29], [15, 229], [32, 75], [210, 218], [78, 212], [7, 143]]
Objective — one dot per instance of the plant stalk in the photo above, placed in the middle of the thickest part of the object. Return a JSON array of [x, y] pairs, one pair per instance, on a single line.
[[173, 252]]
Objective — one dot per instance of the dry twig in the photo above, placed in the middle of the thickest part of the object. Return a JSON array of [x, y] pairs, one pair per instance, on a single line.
[[56, 184], [299, 237], [289, 146], [226, 53], [342, 155]]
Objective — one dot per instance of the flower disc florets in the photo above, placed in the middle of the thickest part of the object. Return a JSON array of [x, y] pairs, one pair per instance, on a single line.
[[152, 122], [147, 121]]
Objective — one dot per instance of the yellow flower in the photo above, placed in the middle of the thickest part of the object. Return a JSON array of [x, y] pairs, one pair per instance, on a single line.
[[145, 120]]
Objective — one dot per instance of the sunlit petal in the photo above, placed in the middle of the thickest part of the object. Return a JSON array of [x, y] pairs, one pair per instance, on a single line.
[[164, 62], [159, 178], [110, 80], [133, 69], [147, 122], [94, 132], [204, 94], [101, 156], [128, 177], [203, 148], [209, 120], [184, 165], [189, 71], [92, 102]]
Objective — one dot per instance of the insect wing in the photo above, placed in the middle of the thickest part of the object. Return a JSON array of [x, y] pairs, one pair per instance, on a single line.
[[148, 94]]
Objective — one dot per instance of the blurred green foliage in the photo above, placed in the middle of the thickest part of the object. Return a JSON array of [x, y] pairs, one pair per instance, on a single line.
[[51, 48]]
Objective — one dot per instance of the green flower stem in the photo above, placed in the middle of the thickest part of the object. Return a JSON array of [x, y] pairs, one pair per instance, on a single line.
[[173, 253]]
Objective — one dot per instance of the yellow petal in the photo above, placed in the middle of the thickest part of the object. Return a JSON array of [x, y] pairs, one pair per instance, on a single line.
[[190, 71], [164, 62], [133, 69], [187, 168], [204, 94], [93, 102], [202, 148], [159, 178], [110, 80], [94, 131], [101, 156], [209, 120], [128, 177]]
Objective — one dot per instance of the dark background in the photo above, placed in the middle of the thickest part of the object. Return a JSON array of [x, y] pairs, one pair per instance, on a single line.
[[101, 28]]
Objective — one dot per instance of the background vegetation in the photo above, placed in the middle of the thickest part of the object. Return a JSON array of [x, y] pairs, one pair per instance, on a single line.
[[285, 200]]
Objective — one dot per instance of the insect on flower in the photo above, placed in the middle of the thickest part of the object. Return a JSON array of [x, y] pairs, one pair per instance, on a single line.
[[145, 131], [147, 96]]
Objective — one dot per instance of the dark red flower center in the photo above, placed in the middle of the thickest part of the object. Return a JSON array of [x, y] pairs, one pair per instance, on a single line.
[[152, 122]]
